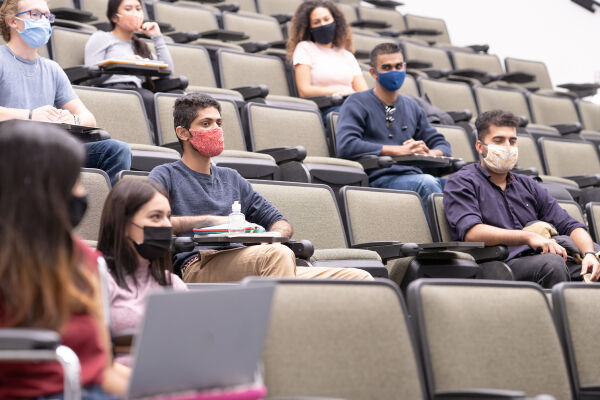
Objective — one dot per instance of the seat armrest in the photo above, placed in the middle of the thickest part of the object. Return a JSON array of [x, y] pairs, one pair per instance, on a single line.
[[435, 73], [523, 121], [182, 37], [488, 253], [581, 89], [461, 116], [390, 250], [28, 339], [566, 129], [278, 44], [531, 171], [73, 14], [375, 162], [480, 48], [327, 101], [253, 92], [421, 31], [418, 64], [81, 73], [385, 3], [479, 394], [370, 24], [232, 8], [517, 77], [585, 180], [254, 47], [169, 84], [224, 35], [302, 249], [182, 244], [282, 18], [165, 27], [286, 154]]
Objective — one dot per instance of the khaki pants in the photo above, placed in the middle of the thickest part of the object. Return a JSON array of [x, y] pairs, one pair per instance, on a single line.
[[233, 265]]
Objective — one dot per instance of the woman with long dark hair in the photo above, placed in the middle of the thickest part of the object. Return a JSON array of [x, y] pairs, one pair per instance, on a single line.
[[48, 278], [126, 17], [135, 239], [320, 47]]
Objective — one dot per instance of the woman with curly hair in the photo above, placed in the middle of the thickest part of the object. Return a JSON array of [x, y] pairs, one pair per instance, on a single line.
[[320, 47]]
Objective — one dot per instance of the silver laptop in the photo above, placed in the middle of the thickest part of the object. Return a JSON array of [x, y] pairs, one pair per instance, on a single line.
[[201, 339]]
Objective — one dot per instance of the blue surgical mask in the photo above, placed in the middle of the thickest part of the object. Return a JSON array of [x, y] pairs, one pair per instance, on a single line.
[[37, 32], [392, 80]]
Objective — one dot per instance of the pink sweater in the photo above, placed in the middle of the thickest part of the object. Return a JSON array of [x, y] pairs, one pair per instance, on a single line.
[[127, 307]]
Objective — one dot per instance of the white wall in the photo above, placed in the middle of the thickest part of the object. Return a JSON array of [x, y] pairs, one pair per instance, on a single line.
[[562, 34]]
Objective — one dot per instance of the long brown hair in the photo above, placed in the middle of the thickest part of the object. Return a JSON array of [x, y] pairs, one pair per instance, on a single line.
[[300, 26], [123, 201], [42, 279]]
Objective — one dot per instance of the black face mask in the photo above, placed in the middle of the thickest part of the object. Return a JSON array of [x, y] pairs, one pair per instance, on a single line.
[[324, 34], [77, 206], [157, 242]]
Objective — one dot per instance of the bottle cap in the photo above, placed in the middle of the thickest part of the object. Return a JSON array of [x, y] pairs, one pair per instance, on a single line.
[[236, 206]]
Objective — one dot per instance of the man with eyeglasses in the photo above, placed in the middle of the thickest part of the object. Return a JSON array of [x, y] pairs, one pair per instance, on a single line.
[[383, 122], [36, 88]]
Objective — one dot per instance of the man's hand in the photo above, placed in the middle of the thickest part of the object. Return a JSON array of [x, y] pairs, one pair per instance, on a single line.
[[416, 146], [46, 114], [536, 242], [591, 262], [66, 117]]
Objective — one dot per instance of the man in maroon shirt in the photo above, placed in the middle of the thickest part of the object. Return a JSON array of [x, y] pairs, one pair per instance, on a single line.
[[486, 203]]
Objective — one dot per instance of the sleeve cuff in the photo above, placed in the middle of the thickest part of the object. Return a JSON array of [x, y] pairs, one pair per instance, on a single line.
[[466, 223]]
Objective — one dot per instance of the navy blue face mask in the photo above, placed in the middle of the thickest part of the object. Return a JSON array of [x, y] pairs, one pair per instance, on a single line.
[[323, 34], [392, 80]]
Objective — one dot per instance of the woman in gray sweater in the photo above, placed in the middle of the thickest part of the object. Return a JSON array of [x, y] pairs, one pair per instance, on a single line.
[[126, 17]]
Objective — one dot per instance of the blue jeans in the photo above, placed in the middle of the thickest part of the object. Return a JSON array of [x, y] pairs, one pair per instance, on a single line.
[[423, 184], [87, 393], [110, 155]]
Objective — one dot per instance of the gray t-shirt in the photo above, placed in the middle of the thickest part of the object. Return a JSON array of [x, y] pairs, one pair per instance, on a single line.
[[104, 45], [194, 193], [30, 84]]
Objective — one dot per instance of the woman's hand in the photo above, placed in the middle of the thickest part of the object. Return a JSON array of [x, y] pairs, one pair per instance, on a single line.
[[150, 29]]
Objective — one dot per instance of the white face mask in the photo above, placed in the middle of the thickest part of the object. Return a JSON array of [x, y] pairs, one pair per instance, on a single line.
[[501, 159]]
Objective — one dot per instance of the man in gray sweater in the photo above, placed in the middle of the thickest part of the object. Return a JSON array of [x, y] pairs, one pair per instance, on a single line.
[[202, 194]]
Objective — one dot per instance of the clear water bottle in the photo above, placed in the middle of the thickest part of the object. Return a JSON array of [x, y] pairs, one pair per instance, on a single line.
[[237, 220]]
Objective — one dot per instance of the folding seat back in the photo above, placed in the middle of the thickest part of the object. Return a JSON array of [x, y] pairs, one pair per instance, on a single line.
[[502, 99], [536, 68], [365, 42], [437, 24], [246, 5], [97, 186], [590, 115], [96, 7], [349, 12], [186, 18], [478, 336], [449, 96], [410, 87], [438, 58], [582, 156], [460, 142], [258, 27], [310, 208], [194, 63], [392, 17], [368, 363], [68, 46], [271, 127], [241, 69], [273, 7], [402, 219], [578, 323], [120, 112], [593, 218], [573, 209], [528, 153], [551, 110], [489, 63]]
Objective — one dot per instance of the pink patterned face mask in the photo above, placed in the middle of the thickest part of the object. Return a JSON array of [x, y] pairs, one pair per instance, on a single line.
[[208, 142], [132, 21], [501, 159]]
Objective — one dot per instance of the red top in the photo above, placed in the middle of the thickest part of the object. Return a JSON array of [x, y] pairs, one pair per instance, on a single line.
[[80, 334]]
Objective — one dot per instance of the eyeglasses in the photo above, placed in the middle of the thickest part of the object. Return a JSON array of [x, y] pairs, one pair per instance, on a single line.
[[389, 115], [35, 14]]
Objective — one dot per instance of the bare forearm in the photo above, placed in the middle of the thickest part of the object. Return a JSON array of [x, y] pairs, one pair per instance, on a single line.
[[87, 118], [492, 235], [13, 113], [283, 227], [582, 240], [186, 224]]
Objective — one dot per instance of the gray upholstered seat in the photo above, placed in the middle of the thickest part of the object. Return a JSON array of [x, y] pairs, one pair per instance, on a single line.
[[437, 24], [582, 156], [449, 96], [488, 335], [340, 339], [97, 186]]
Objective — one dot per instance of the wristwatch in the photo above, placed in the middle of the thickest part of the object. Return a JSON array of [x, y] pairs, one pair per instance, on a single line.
[[589, 252]]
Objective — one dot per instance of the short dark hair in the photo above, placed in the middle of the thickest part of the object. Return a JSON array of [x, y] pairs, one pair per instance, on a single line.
[[185, 110], [497, 118], [383, 48]]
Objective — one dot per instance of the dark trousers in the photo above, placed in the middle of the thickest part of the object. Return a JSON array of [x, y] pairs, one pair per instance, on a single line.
[[544, 269]]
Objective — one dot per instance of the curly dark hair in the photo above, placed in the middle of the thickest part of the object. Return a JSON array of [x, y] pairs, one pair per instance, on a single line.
[[497, 118], [300, 26]]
